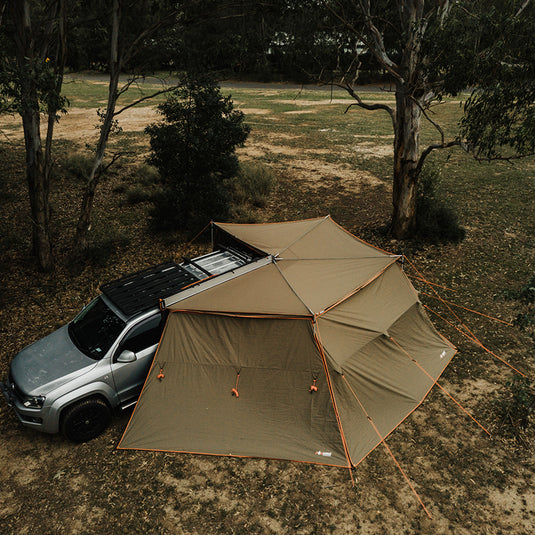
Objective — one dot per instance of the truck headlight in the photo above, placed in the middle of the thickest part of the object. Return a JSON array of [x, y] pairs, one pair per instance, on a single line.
[[34, 402]]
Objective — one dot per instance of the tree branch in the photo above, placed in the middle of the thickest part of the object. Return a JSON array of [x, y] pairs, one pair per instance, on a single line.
[[502, 158], [132, 50], [103, 170], [424, 113], [59, 69], [370, 107], [375, 44], [522, 7], [147, 97], [379, 49], [127, 85], [436, 146], [2, 11]]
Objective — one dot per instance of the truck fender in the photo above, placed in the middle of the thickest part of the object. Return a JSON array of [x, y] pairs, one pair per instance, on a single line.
[[97, 389]]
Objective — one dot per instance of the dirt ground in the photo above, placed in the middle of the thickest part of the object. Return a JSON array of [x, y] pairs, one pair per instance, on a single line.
[[471, 484]]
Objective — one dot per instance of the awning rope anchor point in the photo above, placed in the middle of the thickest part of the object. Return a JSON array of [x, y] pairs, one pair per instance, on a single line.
[[313, 387], [161, 375], [234, 391]]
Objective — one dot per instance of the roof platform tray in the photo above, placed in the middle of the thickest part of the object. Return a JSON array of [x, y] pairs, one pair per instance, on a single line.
[[143, 290], [214, 263]]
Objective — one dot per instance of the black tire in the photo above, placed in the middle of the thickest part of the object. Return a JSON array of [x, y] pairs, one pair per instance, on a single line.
[[85, 420]]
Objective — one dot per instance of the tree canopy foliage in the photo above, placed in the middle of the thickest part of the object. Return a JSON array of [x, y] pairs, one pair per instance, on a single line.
[[194, 151], [426, 50], [494, 54]]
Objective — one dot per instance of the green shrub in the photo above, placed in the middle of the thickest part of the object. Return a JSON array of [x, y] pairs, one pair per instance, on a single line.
[[435, 221], [515, 407], [137, 194], [193, 149], [78, 165], [244, 214], [146, 175], [252, 185]]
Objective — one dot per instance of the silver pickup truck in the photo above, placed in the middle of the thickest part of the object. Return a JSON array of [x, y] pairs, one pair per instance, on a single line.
[[73, 380]]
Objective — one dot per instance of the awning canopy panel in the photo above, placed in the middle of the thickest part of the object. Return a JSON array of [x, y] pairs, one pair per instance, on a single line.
[[327, 346], [311, 238]]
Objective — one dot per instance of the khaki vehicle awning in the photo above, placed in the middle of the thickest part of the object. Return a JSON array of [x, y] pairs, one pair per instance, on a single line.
[[315, 356]]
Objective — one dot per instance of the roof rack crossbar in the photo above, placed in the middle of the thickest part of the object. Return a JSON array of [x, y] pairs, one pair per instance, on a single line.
[[195, 264]]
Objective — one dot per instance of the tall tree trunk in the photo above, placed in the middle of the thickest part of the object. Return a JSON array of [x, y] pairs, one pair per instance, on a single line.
[[84, 220], [36, 175], [409, 92], [38, 188], [406, 155]]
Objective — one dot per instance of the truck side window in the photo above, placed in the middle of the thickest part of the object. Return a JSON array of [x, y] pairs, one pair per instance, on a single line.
[[144, 335]]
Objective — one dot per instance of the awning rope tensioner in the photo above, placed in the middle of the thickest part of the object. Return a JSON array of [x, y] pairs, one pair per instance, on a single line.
[[234, 391]]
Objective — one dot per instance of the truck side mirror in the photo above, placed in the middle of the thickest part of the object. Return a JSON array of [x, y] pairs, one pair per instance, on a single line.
[[126, 356]]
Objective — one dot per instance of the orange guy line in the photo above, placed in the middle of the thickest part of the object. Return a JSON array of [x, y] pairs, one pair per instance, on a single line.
[[441, 388], [476, 341], [469, 310], [387, 448], [472, 336]]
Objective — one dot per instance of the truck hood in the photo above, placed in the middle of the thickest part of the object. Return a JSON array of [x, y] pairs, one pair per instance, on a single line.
[[48, 363]]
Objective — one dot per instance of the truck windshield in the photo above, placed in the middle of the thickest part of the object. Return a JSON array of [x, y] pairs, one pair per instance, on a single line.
[[95, 329]]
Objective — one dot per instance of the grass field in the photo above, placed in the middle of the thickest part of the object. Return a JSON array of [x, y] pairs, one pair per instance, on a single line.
[[325, 161]]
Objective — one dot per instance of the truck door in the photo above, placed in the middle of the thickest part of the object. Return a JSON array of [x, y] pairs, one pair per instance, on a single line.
[[142, 340]]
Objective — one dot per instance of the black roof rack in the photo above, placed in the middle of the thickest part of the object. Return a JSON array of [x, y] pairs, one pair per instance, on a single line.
[[143, 290]]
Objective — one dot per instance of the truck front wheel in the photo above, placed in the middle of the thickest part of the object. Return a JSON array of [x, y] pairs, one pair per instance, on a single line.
[[85, 420]]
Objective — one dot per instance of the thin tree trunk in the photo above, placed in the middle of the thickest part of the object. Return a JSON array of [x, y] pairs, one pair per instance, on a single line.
[[84, 220], [406, 155]]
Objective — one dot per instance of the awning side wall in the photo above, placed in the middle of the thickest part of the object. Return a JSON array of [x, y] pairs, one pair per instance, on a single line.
[[384, 378], [275, 416]]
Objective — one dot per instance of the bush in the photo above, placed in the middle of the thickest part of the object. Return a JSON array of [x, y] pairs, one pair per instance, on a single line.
[[435, 222], [252, 185], [525, 319], [137, 194], [146, 175], [145, 184], [515, 408], [78, 165], [193, 149]]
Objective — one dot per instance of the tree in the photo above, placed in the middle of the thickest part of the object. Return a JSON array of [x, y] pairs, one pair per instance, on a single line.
[[194, 151], [31, 78], [499, 40], [126, 40], [427, 50]]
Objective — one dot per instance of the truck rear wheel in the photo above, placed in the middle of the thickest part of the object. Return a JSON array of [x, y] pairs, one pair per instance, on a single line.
[[85, 420]]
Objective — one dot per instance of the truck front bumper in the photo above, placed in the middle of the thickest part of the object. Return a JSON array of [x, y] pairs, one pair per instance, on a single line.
[[29, 417]]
